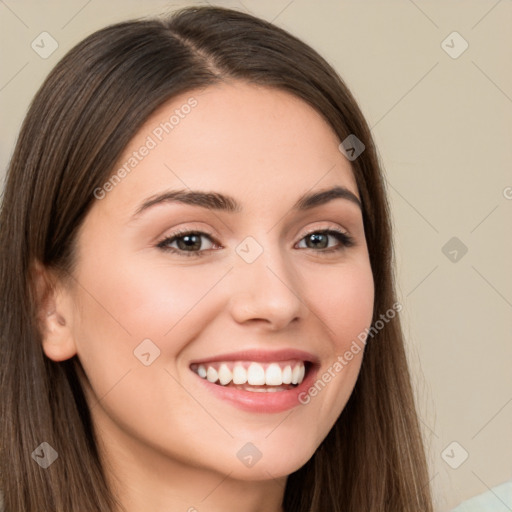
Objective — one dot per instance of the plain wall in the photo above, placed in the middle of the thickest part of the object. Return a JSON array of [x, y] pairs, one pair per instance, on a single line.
[[443, 127]]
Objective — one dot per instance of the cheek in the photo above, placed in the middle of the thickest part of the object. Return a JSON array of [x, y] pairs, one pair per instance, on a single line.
[[121, 307], [124, 305], [344, 299], [133, 302]]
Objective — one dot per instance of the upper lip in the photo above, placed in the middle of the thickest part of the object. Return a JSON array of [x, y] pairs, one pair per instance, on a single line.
[[261, 356]]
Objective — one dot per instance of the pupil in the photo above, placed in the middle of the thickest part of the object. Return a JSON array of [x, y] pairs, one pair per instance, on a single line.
[[315, 237], [189, 242]]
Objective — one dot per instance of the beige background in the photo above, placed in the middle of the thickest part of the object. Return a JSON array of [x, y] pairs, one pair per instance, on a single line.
[[443, 126]]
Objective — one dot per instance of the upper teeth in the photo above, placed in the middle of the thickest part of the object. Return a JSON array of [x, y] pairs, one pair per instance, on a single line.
[[271, 374]]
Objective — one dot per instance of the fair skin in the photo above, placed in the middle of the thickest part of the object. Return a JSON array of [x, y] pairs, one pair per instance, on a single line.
[[169, 443]]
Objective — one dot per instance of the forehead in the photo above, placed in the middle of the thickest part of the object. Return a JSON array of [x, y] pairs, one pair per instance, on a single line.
[[258, 144]]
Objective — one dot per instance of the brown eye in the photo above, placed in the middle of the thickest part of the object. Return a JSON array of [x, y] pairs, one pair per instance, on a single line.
[[188, 243]]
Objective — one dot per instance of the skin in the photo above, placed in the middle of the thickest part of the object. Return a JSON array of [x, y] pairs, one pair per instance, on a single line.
[[168, 443]]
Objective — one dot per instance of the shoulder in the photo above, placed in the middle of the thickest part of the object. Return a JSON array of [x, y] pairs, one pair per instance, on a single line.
[[497, 499]]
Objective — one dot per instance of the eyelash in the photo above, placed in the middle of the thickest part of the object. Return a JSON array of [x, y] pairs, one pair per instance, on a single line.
[[345, 239]]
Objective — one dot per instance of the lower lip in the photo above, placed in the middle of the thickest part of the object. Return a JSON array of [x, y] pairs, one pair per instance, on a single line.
[[265, 401]]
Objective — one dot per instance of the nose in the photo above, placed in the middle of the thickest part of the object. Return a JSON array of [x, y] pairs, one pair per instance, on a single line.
[[266, 290]]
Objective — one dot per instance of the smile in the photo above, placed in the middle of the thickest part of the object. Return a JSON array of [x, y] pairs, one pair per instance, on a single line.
[[256, 380], [252, 375]]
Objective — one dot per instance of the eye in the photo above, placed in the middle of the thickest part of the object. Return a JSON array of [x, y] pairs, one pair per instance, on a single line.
[[319, 239], [189, 242], [186, 240]]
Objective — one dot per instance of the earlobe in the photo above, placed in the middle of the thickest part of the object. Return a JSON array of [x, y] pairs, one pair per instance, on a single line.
[[57, 338], [54, 315]]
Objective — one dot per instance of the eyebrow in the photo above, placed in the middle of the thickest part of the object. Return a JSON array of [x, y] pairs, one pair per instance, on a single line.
[[222, 202]]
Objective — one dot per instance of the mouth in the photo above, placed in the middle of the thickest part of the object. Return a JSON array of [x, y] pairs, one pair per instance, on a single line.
[[254, 376], [257, 381]]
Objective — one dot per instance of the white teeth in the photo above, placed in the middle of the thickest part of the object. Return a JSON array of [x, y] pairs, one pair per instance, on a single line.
[[239, 374], [302, 372], [273, 375], [211, 374], [256, 374], [225, 376], [287, 375], [264, 390], [295, 374]]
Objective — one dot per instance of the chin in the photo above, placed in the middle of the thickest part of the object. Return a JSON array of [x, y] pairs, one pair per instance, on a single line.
[[270, 458]]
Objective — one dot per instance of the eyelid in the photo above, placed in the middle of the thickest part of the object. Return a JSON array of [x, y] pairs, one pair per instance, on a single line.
[[343, 236], [325, 228], [188, 231]]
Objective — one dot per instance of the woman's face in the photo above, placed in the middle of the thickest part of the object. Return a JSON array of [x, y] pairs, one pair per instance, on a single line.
[[249, 290]]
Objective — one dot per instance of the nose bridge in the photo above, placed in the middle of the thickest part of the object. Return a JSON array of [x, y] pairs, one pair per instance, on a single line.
[[264, 284]]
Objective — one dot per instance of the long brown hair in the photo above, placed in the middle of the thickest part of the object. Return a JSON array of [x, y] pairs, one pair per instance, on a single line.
[[83, 116]]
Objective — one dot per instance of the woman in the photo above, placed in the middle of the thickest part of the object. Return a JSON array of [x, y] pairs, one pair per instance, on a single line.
[[199, 310]]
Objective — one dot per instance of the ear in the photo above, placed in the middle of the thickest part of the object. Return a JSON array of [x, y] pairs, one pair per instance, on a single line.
[[54, 305]]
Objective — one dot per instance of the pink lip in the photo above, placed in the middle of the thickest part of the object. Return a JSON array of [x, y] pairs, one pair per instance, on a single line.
[[261, 356], [263, 402]]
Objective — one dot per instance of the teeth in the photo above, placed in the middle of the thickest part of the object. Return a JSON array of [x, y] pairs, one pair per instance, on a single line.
[[252, 373], [256, 374], [264, 390], [273, 375], [287, 375], [225, 376], [239, 374], [302, 372], [211, 374], [295, 375]]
